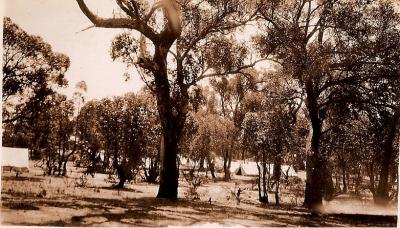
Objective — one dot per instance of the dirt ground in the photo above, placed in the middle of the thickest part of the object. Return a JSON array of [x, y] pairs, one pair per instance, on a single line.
[[34, 199]]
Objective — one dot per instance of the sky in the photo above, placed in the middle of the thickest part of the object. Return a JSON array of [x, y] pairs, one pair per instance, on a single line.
[[60, 23]]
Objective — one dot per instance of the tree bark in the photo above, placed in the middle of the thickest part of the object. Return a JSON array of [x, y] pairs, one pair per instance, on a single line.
[[315, 161], [211, 167], [259, 182], [344, 179], [227, 164], [382, 192], [122, 177], [169, 171], [264, 172], [277, 176], [172, 121], [371, 175]]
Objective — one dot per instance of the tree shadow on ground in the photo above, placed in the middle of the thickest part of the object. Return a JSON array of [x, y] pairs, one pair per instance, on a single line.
[[21, 178], [125, 189], [20, 206], [149, 211]]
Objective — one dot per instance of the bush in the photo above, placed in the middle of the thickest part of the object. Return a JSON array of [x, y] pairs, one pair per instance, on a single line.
[[81, 181], [194, 182]]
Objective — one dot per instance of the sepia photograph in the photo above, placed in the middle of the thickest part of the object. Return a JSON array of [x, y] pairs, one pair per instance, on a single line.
[[200, 113]]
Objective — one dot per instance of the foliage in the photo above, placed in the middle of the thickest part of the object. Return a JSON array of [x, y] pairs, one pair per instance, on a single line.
[[121, 136], [333, 50], [51, 132], [31, 71]]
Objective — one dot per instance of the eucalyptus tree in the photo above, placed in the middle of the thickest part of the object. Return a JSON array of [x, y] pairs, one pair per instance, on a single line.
[[152, 136], [121, 126], [383, 129], [188, 26], [88, 132], [231, 93], [268, 132], [330, 48], [51, 131], [31, 72]]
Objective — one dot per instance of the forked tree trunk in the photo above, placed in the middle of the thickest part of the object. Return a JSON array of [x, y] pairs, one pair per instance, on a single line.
[[211, 167], [172, 113], [172, 121], [227, 173]]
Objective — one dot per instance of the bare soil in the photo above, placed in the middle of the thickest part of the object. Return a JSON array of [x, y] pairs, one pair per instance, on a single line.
[[34, 199]]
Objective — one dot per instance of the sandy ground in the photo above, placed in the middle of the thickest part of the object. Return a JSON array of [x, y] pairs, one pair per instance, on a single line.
[[33, 199]]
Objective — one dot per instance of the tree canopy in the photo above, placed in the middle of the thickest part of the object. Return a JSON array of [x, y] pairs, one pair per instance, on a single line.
[[31, 72]]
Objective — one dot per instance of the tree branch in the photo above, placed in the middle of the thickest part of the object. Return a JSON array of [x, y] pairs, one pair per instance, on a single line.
[[127, 23], [235, 71]]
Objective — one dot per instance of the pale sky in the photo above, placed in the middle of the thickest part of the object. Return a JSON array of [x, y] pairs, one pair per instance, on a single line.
[[59, 23]]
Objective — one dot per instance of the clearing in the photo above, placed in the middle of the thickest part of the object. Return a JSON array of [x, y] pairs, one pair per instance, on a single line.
[[34, 199]]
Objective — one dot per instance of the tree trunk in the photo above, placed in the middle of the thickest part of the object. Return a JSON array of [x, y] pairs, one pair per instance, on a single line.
[[201, 164], [382, 192], [337, 183], [358, 182], [227, 172], [277, 176], [259, 182], [152, 174], [344, 179], [315, 161], [264, 171], [211, 167], [64, 172], [263, 198], [169, 171], [122, 178], [172, 120], [268, 171], [371, 175]]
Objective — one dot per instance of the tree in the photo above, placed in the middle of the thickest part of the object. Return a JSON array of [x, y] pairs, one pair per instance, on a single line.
[[121, 127], [52, 129], [382, 193], [267, 133], [231, 96], [331, 48], [188, 24], [30, 71], [151, 134], [90, 138]]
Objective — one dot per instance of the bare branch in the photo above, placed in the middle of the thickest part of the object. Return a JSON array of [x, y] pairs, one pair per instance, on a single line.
[[235, 71], [118, 22]]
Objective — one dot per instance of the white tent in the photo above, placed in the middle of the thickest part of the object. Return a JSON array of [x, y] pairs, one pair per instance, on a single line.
[[15, 157], [288, 170], [247, 169], [250, 169], [234, 166]]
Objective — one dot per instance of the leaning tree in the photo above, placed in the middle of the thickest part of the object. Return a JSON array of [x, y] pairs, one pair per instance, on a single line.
[[169, 56]]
